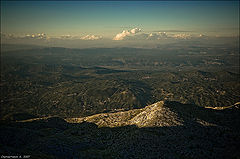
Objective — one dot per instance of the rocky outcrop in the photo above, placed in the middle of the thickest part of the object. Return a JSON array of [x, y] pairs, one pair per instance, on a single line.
[[156, 115], [164, 130]]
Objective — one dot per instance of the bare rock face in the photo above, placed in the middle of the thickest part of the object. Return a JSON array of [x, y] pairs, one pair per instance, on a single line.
[[159, 114], [156, 115]]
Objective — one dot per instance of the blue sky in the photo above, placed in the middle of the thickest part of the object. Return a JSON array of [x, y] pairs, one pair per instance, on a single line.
[[110, 18]]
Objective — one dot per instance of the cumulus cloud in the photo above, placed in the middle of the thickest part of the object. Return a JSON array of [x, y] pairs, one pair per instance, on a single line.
[[126, 33], [149, 36], [121, 36], [142, 36], [91, 37], [133, 34], [135, 30]]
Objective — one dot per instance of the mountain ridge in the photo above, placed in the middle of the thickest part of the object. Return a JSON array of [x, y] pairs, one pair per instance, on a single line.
[[159, 114], [164, 130]]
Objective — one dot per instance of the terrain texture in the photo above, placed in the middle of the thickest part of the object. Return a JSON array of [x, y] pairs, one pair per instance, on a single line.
[[162, 130], [177, 101], [82, 82]]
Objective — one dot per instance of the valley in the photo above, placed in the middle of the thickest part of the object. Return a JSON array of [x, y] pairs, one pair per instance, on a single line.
[[41, 82]]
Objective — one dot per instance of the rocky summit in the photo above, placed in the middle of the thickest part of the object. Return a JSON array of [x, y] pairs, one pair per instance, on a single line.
[[165, 129]]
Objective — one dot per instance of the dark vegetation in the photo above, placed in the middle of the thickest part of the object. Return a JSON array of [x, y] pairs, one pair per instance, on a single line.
[[55, 138], [80, 82], [64, 83]]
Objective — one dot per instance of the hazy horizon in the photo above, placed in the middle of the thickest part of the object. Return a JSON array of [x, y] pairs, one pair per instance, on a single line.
[[113, 24]]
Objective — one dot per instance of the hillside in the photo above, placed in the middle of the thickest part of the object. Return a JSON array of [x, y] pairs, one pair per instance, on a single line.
[[81, 82], [155, 115], [161, 130]]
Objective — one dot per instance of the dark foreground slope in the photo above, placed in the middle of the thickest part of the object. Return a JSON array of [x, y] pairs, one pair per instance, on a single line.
[[162, 130]]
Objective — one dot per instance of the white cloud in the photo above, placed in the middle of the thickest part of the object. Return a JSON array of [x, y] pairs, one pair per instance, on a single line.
[[86, 37], [133, 34], [36, 36], [135, 30], [188, 36], [121, 36], [126, 33], [182, 36], [91, 37], [157, 36]]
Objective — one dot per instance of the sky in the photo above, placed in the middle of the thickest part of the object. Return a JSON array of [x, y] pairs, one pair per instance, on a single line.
[[95, 20]]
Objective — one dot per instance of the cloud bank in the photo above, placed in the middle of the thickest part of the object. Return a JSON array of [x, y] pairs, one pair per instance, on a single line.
[[134, 34], [43, 36], [36, 36]]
